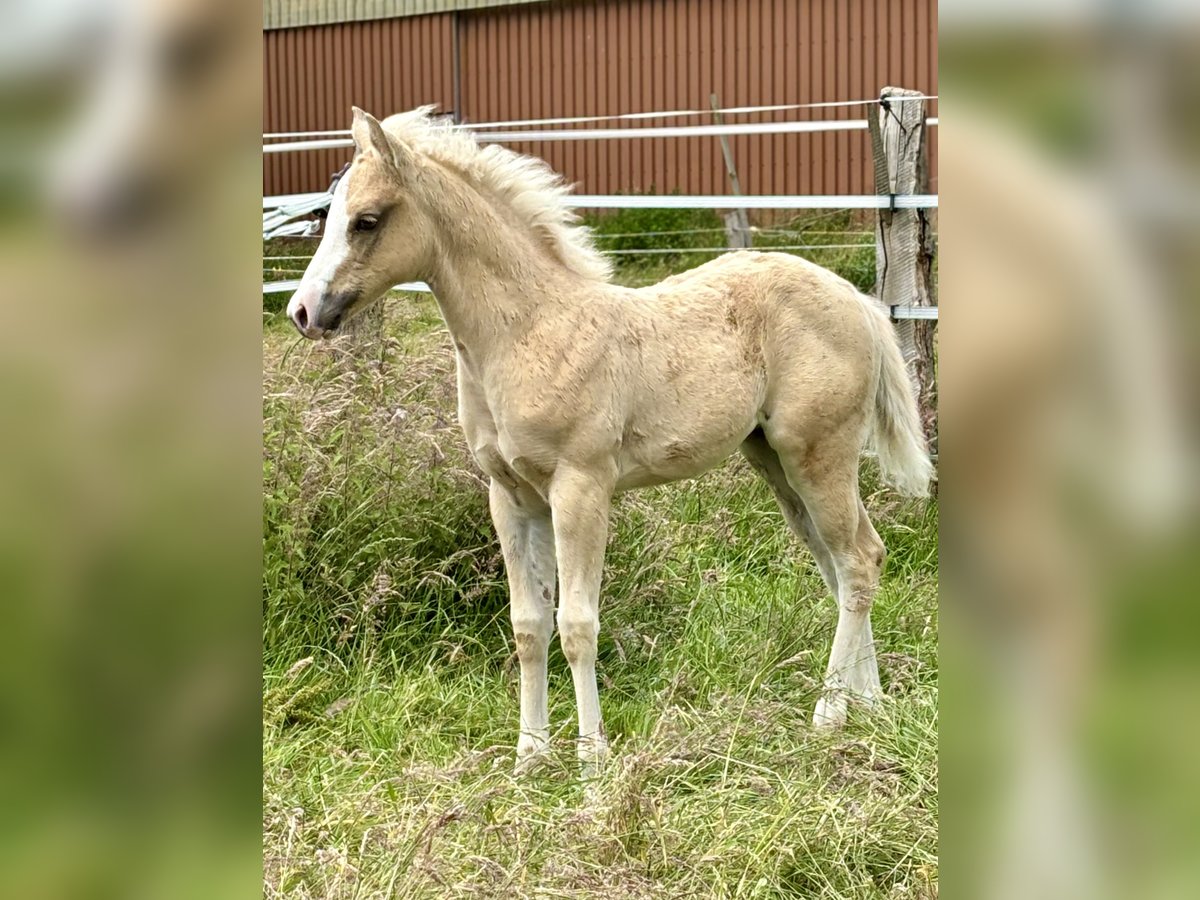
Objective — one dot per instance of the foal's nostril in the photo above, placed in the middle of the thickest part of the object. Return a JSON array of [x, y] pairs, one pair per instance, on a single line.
[[301, 318]]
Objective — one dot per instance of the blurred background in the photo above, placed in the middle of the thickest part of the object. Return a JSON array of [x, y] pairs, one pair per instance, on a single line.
[[129, 380], [131, 383], [1074, 211]]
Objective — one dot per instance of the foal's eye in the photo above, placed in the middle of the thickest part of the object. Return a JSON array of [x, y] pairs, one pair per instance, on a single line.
[[366, 223]]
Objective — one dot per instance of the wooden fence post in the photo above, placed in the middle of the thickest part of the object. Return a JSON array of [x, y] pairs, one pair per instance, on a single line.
[[737, 222], [903, 239]]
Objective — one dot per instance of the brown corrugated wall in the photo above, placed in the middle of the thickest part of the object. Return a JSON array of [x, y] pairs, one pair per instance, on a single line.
[[604, 58], [312, 76]]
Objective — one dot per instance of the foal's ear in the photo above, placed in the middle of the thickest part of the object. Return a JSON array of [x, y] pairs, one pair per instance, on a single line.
[[368, 134]]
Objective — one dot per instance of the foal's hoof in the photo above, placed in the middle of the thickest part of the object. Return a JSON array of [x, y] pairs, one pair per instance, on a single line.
[[830, 712], [832, 708], [533, 761], [533, 753], [592, 756]]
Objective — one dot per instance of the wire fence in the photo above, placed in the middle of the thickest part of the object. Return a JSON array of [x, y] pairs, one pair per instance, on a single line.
[[672, 250], [702, 201], [623, 134], [632, 117], [494, 132], [679, 232]]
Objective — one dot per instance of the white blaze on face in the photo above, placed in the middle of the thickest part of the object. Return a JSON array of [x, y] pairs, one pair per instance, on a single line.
[[318, 281]]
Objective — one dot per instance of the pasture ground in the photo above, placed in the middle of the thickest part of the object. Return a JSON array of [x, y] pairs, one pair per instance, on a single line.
[[390, 706]]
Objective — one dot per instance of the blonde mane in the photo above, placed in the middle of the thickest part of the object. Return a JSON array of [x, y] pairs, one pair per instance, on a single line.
[[527, 185]]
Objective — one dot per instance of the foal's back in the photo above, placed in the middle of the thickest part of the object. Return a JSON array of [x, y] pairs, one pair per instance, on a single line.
[[760, 303]]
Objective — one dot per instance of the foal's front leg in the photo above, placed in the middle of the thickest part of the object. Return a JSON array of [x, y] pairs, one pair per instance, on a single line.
[[579, 500], [527, 539]]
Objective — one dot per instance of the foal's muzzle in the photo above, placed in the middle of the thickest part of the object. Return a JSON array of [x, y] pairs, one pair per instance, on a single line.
[[318, 315]]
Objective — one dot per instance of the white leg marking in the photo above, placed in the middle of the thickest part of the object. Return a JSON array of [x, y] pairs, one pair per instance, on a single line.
[[527, 539], [580, 502]]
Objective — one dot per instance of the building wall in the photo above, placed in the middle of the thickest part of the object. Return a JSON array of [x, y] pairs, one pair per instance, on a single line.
[[602, 58], [312, 76]]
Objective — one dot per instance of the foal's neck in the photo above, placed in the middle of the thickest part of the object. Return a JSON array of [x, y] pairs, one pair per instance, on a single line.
[[491, 276]]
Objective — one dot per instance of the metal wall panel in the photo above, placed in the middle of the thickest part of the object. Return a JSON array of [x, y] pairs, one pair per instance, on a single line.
[[312, 76], [603, 58]]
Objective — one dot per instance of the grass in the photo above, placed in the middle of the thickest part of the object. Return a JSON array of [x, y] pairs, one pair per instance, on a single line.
[[390, 707]]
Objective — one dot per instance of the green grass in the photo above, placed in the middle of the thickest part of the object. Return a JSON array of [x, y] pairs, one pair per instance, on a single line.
[[390, 706]]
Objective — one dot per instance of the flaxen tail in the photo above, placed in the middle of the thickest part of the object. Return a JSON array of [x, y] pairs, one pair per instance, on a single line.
[[897, 437]]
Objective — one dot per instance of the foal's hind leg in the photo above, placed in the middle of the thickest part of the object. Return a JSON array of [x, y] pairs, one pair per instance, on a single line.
[[858, 553], [827, 482], [870, 544], [766, 462]]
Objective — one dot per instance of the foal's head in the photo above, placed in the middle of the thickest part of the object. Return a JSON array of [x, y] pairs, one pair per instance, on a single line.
[[378, 233]]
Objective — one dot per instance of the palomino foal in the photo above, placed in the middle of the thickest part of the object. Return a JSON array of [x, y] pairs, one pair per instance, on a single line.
[[571, 388]]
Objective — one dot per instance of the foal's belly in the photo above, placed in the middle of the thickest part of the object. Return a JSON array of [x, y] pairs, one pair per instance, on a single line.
[[647, 460], [687, 427]]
